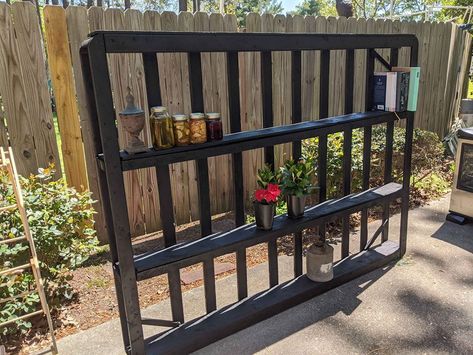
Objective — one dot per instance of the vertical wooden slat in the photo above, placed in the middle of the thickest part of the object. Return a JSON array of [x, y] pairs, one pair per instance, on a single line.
[[32, 60], [12, 89], [323, 113], [394, 55], [60, 64], [347, 145], [296, 150], [197, 102], [78, 29], [110, 145], [367, 146], [177, 309], [237, 167], [267, 93], [133, 21], [251, 106]]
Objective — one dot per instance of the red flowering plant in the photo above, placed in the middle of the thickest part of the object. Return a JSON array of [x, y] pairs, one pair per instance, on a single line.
[[268, 181], [268, 195]]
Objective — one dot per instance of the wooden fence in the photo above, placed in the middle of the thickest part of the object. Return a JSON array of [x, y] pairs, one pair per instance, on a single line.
[[444, 57]]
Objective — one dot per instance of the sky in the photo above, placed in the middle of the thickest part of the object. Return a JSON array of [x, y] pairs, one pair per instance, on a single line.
[[290, 5]]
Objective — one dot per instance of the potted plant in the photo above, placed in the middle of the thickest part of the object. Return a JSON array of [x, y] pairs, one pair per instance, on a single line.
[[296, 184], [266, 198]]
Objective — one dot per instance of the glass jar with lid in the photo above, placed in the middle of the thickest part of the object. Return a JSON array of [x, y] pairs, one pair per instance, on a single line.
[[214, 127], [161, 128], [198, 128], [182, 135]]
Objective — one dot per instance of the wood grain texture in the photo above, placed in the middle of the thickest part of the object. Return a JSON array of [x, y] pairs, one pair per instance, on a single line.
[[12, 89], [60, 64], [78, 29], [32, 60]]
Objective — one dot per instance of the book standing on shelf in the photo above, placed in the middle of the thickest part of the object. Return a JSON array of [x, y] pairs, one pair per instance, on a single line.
[[397, 90]]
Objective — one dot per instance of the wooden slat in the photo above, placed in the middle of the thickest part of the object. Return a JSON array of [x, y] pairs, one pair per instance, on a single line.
[[147, 177], [161, 261], [32, 59], [78, 29], [60, 64], [14, 97], [251, 106], [228, 320]]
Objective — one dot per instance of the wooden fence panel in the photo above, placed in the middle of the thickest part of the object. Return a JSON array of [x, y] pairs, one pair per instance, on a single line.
[[60, 63], [78, 29], [443, 56], [13, 91], [31, 52]]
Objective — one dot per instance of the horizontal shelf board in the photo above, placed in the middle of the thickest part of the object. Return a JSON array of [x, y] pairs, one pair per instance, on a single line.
[[150, 42], [202, 331], [181, 255], [247, 140]]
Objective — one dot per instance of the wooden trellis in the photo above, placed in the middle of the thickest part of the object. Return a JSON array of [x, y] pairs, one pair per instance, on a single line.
[[7, 162]]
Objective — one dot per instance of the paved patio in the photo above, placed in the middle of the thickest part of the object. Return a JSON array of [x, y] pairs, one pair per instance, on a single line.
[[422, 304]]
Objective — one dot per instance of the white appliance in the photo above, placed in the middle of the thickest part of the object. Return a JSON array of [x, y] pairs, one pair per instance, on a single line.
[[461, 201]]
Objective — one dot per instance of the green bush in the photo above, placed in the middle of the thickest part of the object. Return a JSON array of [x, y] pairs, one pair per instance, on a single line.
[[60, 219], [430, 170]]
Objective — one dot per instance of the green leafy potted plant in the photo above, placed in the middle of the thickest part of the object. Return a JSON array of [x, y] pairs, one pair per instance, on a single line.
[[296, 184], [266, 198]]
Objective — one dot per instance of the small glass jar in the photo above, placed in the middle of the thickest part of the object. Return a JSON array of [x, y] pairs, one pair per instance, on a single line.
[[182, 133], [198, 128], [214, 127], [161, 128]]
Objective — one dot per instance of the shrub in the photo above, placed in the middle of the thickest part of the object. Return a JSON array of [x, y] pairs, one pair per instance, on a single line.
[[60, 219], [430, 170]]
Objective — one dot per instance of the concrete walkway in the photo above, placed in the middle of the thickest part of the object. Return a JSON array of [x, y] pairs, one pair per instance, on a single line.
[[423, 304]]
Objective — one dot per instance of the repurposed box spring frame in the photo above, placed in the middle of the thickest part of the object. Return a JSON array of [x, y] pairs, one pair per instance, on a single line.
[[184, 337]]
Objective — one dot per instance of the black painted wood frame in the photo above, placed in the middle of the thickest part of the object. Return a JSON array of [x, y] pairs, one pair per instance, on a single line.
[[186, 336]]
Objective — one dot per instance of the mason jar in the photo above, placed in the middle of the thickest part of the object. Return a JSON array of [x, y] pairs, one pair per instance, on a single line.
[[198, 128], [182, 135], [214, 127], [161, 128]]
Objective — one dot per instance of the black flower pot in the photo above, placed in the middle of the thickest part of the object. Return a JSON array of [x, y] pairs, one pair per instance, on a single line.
[[295, 206], [264, 215]]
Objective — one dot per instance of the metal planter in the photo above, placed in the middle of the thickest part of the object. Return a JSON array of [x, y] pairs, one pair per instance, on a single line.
[[295, 206], [264, 215]]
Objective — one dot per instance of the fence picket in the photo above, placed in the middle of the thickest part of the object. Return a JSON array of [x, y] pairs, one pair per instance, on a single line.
[[13, 91], [64, 92]]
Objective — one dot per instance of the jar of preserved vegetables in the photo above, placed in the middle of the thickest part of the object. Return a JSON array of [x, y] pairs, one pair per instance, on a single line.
[[198, 128], [214, 127], [182, 134], [161, 128]]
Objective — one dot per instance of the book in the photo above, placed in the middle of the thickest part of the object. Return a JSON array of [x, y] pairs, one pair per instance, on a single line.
[[402, 91], [413, 92], [391, 91], [379, 91]]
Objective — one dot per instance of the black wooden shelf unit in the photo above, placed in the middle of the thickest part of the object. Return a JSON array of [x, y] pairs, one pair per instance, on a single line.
[[183, 336]]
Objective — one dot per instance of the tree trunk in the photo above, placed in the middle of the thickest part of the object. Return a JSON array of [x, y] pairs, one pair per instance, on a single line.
[[344, 8], [55, 2], [99, 3], [127, 4], [65, 3], [182, 5], [90, 3]]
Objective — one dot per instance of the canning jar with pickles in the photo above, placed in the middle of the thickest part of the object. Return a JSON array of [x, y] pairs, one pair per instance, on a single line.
[[161, 128], [214, 127], [198, 128], [182, 133]]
